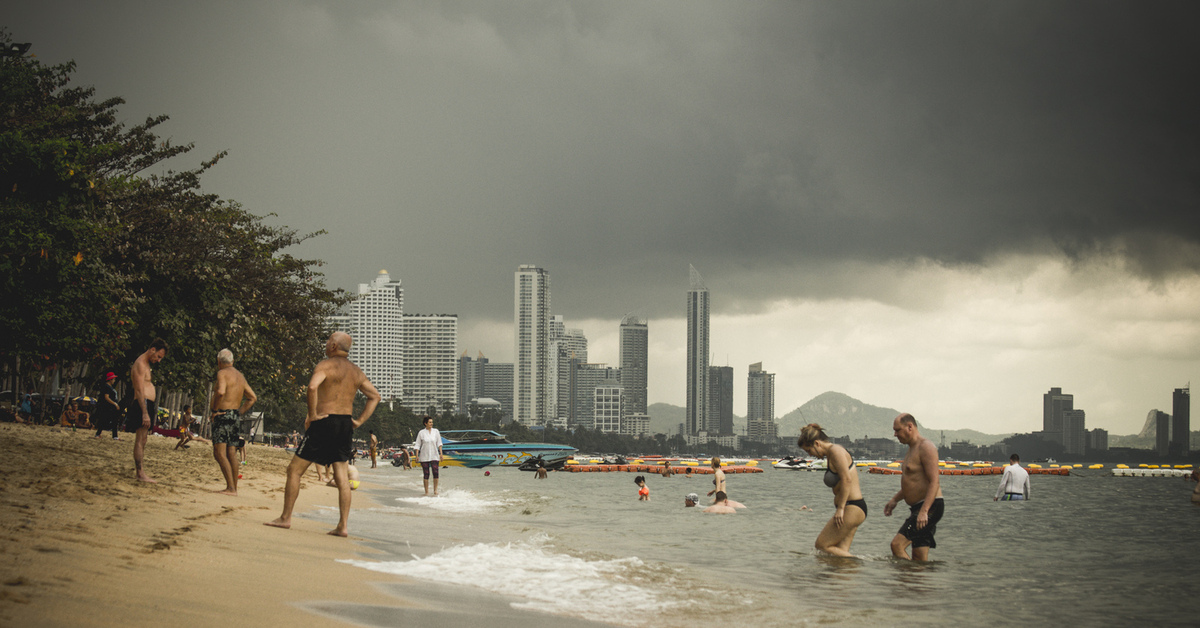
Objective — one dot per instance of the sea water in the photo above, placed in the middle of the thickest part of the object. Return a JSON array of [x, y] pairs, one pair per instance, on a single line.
[[1087, 549]]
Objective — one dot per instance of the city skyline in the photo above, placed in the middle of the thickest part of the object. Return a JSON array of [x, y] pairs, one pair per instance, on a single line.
[[888, 200]]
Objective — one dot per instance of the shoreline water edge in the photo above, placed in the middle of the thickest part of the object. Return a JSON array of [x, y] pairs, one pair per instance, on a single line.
[[82, 543]]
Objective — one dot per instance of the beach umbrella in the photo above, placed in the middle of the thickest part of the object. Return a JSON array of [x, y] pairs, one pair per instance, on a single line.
[[84, 399]]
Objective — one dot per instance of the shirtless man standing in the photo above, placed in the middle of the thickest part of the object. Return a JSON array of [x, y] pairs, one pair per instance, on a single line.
[[920, 488], [328, 427], [374, 444], [232, 399], [140, 415]]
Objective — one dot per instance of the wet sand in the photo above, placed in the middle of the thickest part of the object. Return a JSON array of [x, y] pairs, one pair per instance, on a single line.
[[83, 543]]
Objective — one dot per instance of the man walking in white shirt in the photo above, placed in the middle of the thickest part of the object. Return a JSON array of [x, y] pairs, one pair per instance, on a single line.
[[1014, 484]]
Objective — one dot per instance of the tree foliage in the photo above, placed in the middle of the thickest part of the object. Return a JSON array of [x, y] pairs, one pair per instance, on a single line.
[[98, 256]]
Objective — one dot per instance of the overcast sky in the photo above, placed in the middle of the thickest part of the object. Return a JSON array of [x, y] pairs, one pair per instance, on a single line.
[[942, 207]]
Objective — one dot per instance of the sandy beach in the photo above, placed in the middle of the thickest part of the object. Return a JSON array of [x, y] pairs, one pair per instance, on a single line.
[[83, 543]]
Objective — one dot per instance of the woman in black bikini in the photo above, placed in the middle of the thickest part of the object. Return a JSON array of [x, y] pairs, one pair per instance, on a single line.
[[842, 476]]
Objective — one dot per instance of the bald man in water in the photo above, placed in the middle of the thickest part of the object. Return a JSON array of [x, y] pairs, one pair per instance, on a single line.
[[328, 428], [920, 488]]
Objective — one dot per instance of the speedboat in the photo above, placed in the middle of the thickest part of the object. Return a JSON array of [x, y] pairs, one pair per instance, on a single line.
[[495, 446], [793, 463], [465, 460]]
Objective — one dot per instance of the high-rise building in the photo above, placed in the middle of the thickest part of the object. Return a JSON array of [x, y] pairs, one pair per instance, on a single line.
[[719, 419], [1098, 440], [470, 380], [584, 381], [570, 345], [430, 362], [1054, 404], [760, 405], [606, 406], [531, 345], [632, 354], [498, 385], [376, 322], [695, 417], [339, 322], [1181, 421], [1162, 432], [1074, 432]]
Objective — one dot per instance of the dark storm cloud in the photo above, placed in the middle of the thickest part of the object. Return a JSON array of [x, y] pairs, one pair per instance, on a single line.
[[777, 146]]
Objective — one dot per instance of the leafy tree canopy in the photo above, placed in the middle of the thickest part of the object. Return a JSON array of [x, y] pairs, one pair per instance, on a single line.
[[98, 257]]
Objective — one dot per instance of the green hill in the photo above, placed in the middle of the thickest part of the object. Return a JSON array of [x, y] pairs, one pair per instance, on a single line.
[[839, 414]]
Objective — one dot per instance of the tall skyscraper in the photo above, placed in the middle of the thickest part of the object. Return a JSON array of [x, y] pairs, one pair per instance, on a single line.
[[632, 354], [760, 405], [1054, 404], [377, 324], [695, 417], [531, 345], [1162, 432], [719, 419], [470, 379], [1074, 432], [430, 361], [586, 378], [498, 385], [571, 344], [1181, 421]]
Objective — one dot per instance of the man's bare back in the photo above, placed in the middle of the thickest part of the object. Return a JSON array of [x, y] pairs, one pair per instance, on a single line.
[[232, 389], [331, 390], [338, 381]]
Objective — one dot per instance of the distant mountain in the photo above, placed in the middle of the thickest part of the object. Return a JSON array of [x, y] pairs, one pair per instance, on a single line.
[[665, 418], [842, 415], [839, 414]]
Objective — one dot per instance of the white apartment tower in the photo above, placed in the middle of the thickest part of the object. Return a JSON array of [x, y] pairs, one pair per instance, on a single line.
[[376, 320], [607, 406], [430, 361], [531, 345], [634, 347], [697, 354]]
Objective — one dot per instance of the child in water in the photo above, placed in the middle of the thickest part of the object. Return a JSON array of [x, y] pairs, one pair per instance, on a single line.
[[643, 490]]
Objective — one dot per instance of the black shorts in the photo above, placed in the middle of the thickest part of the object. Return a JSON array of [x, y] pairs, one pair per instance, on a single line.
[[327, 440], [924, 536], [133, 415]]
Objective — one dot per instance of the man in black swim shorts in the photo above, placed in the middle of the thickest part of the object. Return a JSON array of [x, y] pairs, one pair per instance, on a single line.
[[920, 488], [140, 416], [923, 537], [328, 428]]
